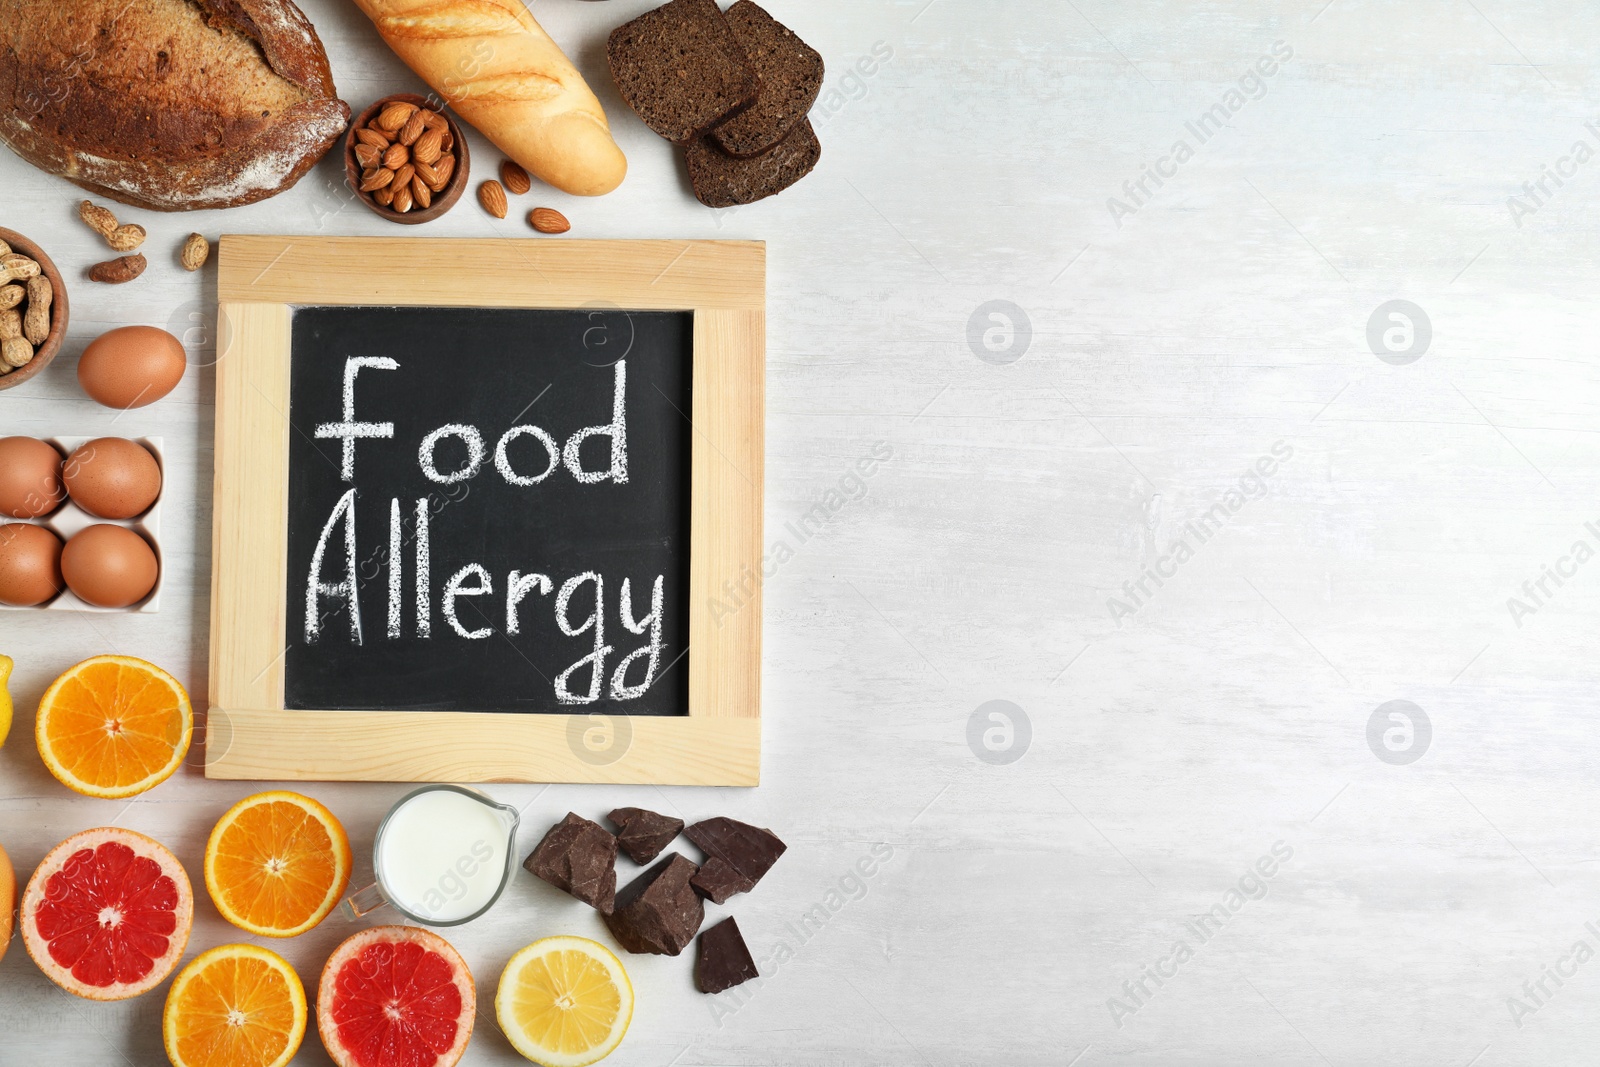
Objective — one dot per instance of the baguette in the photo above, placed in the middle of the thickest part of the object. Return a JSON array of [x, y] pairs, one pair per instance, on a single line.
[[491, 62]]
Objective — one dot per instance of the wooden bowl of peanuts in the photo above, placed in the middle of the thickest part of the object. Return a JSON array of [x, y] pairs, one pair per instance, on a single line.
[[406, 159], [33, 307]]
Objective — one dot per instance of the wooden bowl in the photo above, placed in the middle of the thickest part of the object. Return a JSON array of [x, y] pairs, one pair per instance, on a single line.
[[442, 201], [58, 310]]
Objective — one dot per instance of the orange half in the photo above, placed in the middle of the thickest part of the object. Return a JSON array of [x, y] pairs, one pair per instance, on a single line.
[[114, 726], [235, 1006], [277, 863]]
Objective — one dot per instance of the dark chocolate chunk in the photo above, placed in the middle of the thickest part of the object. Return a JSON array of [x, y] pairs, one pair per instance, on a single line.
[[658, 912], [718, 880], [643, 834], [719, 180], [791, 74], [681, 68], [580, 857], [723, 960], [748, 851]]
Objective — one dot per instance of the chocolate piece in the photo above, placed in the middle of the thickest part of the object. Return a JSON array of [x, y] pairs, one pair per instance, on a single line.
[[791, 77], [724, 959], [748, 850], [643, 834], [579, 857], [718, 880], [658, 912], [719, 180], [681, 68]]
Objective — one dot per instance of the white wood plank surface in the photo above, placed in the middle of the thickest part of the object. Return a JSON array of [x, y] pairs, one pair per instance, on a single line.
[[1170, 346]]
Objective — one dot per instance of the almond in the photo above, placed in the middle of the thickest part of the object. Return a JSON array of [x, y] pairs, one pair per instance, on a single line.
[[428, 147], [385, 196], [548, 220], [395, 115], [411, 130], [516, 179], [376, 179], [428, 176], [435, 121], [421, 193], [493, 199], [374, 137], [396, 156], [402, 198], [368, 156], [445, 168]]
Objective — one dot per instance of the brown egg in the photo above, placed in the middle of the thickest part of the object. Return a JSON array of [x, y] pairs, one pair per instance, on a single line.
[[113, 478], [131, 366], [30, 478], [30, 564], [109, 566]]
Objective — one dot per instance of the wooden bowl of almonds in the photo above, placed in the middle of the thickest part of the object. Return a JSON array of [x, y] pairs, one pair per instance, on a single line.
[[33, 309], [406, 159]]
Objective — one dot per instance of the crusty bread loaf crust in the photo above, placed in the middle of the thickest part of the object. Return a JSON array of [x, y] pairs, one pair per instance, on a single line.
[[167, 104], [501, 72]]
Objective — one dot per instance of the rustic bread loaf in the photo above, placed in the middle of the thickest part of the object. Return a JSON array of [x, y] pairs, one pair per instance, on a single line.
[[167, 104]]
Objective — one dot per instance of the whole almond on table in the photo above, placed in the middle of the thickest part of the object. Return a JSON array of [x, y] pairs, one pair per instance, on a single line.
[[515, 178], [493, 198], [548, 220], [117, 271], [196, 250]]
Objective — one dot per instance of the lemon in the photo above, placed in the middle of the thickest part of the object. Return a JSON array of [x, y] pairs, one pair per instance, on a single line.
[[6, 664], [564, 1002]]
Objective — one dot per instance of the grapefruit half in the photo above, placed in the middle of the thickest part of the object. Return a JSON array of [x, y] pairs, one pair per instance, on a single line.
[[107, 914], [396, 996]]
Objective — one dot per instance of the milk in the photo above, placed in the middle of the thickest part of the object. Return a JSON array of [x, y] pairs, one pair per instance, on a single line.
[[442, 855]]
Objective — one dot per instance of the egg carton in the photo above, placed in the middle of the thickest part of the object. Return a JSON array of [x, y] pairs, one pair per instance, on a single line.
[[69, 519]]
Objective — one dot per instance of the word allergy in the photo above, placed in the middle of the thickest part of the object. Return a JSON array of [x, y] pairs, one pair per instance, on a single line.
[[338, 540]]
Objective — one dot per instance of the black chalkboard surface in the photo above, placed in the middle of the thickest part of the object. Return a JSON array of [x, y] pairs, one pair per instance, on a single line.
[[489, 510]]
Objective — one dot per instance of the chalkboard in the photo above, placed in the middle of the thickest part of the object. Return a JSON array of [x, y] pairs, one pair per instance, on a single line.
[[489, 510]]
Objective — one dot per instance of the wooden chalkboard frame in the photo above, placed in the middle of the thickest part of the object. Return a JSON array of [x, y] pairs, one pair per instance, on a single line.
[[250, 735]]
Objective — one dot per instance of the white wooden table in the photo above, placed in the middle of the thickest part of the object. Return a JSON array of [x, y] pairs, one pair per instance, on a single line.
[[1171, 343]]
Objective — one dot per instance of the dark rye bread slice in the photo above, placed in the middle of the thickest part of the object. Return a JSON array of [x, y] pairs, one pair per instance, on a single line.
[[791, 74], [720, 180], [681, 68]]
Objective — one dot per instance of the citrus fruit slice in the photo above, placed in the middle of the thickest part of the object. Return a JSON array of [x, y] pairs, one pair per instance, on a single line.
[[107, 914], [396, 996], [234, 1006], [114, 726], [564, 1001], [277, 863], [6, 665], [8, 900]]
